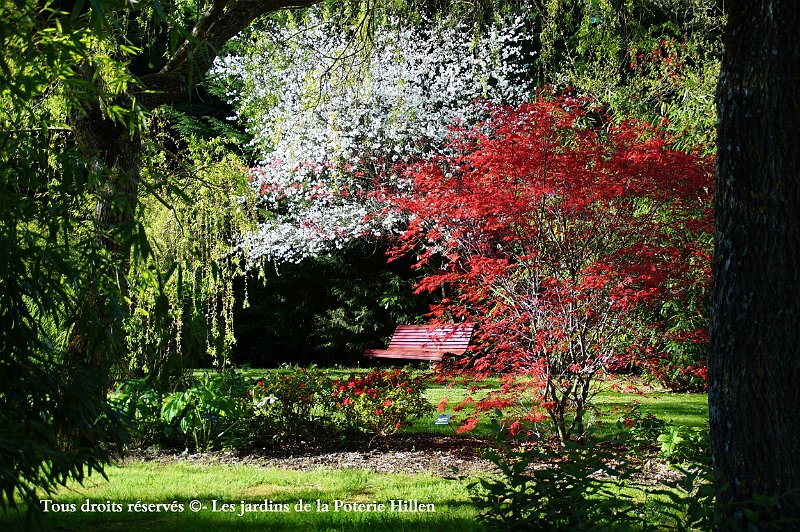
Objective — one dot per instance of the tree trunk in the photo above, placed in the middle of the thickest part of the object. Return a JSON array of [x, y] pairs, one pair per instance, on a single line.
[[114, 155], [754, 368]]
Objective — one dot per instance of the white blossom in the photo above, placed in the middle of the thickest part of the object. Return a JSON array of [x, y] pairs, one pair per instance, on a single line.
[[327, 126]]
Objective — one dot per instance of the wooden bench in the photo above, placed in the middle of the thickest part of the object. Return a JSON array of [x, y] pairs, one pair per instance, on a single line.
[[425, 342]]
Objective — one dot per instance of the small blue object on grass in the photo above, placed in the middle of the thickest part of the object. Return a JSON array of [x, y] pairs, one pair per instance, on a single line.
[[443, 419]]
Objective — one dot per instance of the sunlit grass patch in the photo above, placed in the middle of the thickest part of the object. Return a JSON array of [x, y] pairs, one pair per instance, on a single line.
[[253, 497]]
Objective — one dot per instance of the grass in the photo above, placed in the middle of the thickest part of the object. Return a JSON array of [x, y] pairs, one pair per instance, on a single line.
[[688, 410], [682, 409], [218, 485], [160, 483]]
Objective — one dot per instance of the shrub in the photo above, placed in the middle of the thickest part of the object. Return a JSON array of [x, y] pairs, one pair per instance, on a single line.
[[575, 488], [680, 367], [139, 405], [381, 402], [678, 350], [646, 434], [213, 411], [679, 343], [226, 410], [682, 445], [561, 489], [638, 431], [290, 404]]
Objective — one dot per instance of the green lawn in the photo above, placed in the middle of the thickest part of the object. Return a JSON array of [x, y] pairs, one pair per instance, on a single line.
[[275, 490], [684, 409]]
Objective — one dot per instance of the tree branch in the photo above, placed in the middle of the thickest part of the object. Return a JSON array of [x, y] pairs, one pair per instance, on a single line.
[[221, 22], [212, 14]]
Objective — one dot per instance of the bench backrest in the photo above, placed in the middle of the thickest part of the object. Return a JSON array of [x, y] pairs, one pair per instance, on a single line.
[[448, 338]]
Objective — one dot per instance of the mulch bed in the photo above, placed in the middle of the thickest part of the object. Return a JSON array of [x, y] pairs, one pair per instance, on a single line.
[[441, 455]]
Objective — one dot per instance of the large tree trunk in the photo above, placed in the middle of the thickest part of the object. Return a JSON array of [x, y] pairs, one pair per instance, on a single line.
[[754, 369]]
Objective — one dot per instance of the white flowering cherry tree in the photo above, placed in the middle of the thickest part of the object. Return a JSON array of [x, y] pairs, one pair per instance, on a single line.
[[328, 121]]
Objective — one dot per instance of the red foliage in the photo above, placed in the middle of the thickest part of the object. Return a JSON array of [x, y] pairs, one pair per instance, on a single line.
[[549, 226]]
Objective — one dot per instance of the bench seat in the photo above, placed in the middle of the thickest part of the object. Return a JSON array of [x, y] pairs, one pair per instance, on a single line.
[[425, 342]]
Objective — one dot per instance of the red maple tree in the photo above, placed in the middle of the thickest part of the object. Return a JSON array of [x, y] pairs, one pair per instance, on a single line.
[[551, 226]]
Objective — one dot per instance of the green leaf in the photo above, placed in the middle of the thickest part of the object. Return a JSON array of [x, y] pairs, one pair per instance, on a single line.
[[750, 515]]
